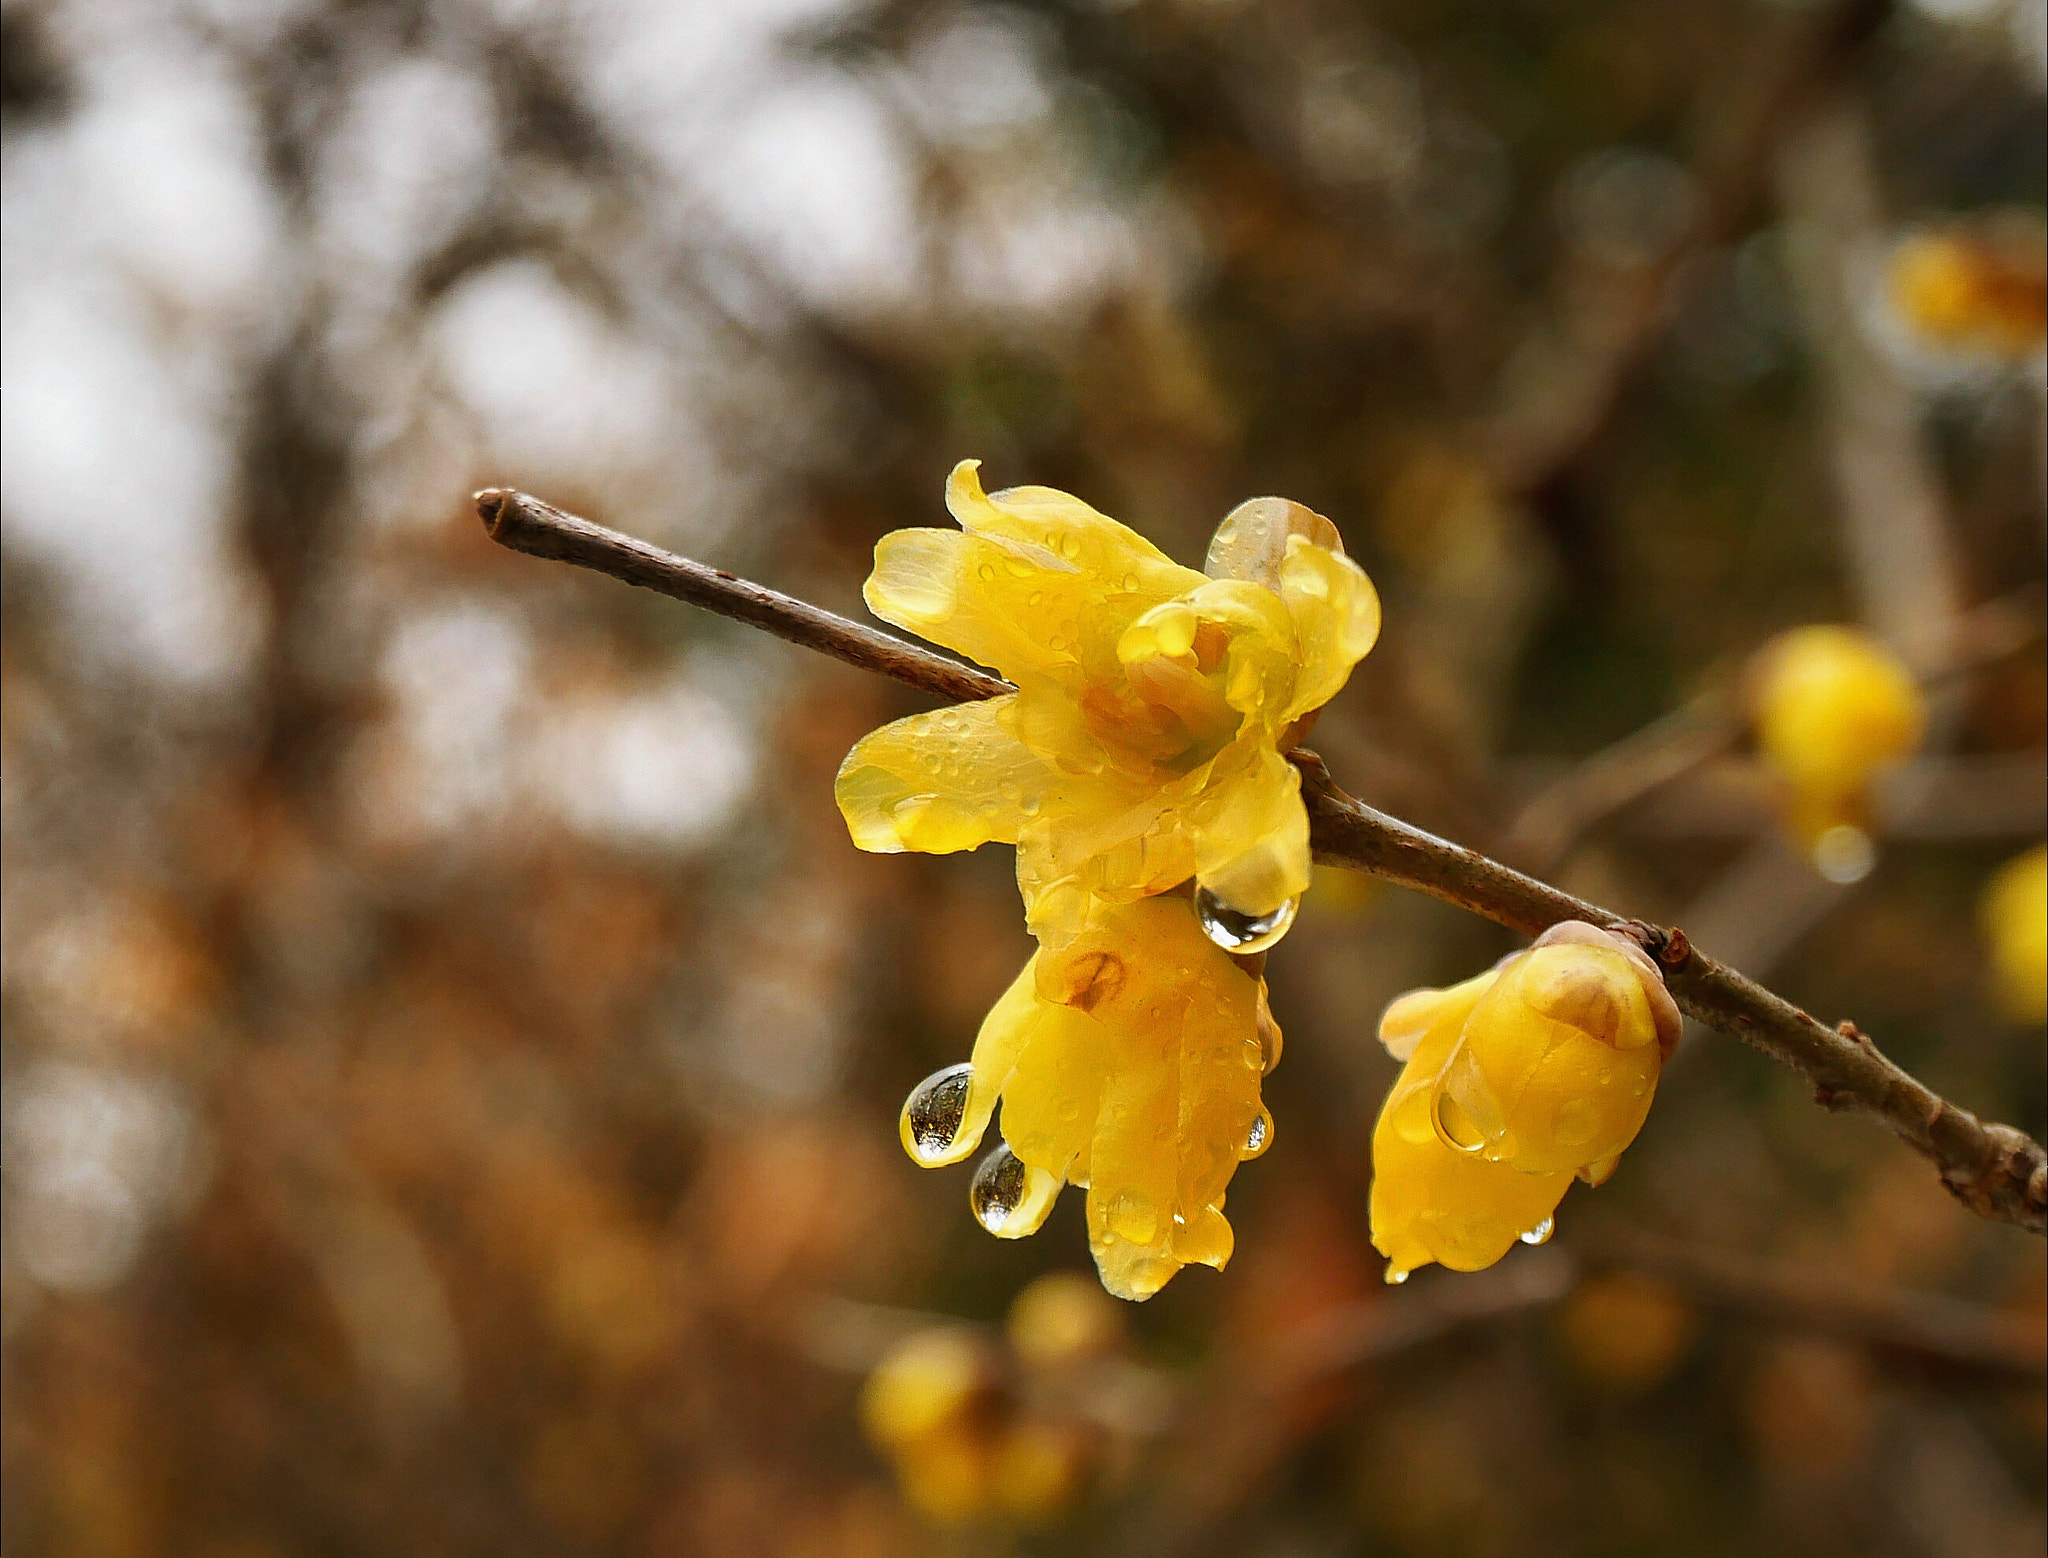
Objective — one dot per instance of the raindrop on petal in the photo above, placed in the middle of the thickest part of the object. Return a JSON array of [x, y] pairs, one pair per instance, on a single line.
[[1260, 1137], [998, 1188], [1541, 1233], [933, 1112], [1235, 931], [1395, 1278]]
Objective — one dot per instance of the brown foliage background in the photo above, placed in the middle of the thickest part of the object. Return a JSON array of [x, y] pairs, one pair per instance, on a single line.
[[451, 1048]]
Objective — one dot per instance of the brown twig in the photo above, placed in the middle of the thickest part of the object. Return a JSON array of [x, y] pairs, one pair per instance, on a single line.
[[1996, 1171]]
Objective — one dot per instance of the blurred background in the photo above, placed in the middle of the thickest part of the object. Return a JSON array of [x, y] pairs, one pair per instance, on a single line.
[[452, 1050]]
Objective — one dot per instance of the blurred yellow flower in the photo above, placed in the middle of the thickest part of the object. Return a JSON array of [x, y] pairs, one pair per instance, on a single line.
[[1141, 755], [1972, 294], [1834, 709], [977, 1433], [2014, 914], [1514, 1082]]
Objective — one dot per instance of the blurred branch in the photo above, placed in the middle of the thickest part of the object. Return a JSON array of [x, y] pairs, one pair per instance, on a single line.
[[1933, 1326], [1666, 749], [1731, 177], [1996, 1171]]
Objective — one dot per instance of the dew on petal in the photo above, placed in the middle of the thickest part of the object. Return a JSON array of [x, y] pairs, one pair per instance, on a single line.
[[1235, 931], [933, 1112], [998, 1188], [1541, 1233], [1260, 1137]]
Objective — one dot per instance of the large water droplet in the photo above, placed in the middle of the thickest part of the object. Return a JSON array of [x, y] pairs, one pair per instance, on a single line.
[[998, 1188], [1541, 1233], [1235, 931], [1260, 1136], [933, 1112], [1454, 1127], [1395, 1278], [1133, 1215]]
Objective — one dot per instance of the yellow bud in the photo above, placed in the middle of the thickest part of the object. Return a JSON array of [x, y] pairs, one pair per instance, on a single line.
[[1834, 710], [1515, 1081], [1038, 1471], [1626, 1330], [2014, 915], [951, 1480], [1063, 1318], [927, 1385]]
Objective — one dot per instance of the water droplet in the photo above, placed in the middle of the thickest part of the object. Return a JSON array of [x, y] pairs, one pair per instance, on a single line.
[[1235, 931], [1260, 1137], [1575, 1122], [1541, 1233], [998, 1188], [1844, 854], [1395, 1278], [1454, 1127], [1133, 1216], [934, 1110]]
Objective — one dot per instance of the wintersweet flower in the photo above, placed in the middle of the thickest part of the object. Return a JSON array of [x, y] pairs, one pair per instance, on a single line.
[[1514, 1083], [1834, 710], [2014, 915], [1139, 771], [1143, 746]]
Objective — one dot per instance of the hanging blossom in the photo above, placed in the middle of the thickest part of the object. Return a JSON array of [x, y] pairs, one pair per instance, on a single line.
[[1160, 838], [1536, 1072]]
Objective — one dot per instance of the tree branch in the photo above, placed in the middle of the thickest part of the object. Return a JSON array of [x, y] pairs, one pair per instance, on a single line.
[[1996, 1171]]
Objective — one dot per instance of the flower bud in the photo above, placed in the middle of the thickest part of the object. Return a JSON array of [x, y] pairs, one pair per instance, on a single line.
[[1834, 709]]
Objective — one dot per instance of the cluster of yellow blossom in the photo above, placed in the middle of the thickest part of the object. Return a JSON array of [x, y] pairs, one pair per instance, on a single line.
[[1512, 1083], [1139, 770], [985, 1430], [2015, 920], [1834, 710], [1981, 294]]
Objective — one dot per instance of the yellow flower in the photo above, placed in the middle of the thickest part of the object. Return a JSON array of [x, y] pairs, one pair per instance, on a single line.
[[2015, 919], [1979, 294], [1834, 709], [1141, 753], [1127, 1061], [1512, 1083], [1143, 744]]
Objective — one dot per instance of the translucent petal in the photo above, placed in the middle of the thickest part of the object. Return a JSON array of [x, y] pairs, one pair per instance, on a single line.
[[1431, 1203], [952, 779], [1411, 1016], [1051, 1099], [1559, 1059], [1336, 614], [1251, 830], [1063, 527], [1252, 542]]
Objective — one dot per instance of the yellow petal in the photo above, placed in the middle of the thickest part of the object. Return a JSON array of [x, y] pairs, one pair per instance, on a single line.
[[1250, 830], [1431, 1203], [952, 779], [1252, 542], [1558, 1062], [1336, 614]]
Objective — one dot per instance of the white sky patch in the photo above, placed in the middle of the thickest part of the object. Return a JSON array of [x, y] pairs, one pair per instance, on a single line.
[[92, 1157], [413, 154], [666, 767], [457, 675], [138, 236], [560, 390], [813, 177], [973, 80], [115, 470]]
